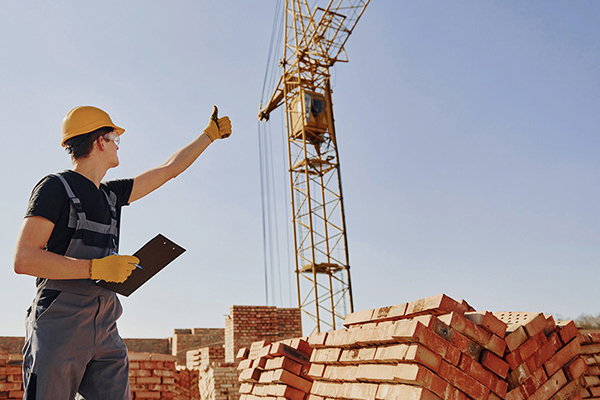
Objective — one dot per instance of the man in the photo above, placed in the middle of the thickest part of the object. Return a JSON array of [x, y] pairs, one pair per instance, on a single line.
[[69, 240]]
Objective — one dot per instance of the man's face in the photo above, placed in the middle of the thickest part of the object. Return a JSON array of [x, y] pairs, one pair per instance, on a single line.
[[112, 140]]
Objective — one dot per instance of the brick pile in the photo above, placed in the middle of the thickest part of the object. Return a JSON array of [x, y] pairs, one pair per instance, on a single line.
[[152, 376], [200, 359], [590, 352], [426, 349], [543, 357], [217, 380], [433, 348], [275, 371], [186, 385]]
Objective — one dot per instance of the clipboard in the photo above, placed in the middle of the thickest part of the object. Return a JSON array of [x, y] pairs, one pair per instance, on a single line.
[[154, 256]]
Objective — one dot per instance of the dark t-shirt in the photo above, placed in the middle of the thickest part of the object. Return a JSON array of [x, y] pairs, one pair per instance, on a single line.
[[49, 200]]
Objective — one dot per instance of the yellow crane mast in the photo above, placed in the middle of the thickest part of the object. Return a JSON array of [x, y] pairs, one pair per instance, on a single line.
[[314, 41]]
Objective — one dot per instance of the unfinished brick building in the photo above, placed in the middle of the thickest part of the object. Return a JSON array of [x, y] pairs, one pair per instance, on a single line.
[[193, 364]]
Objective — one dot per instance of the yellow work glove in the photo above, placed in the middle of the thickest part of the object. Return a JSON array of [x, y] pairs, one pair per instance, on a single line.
[[218, 128], [113, 268]]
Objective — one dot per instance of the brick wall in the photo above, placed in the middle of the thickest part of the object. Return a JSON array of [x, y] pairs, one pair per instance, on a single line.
[[158, 346], [188, 339], [247, 324], [11, 344]]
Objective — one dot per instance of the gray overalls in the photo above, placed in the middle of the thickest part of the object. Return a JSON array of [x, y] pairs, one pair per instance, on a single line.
[[72, 344]]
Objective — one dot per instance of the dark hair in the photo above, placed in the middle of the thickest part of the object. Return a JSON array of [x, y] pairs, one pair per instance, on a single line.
[[81, 146]]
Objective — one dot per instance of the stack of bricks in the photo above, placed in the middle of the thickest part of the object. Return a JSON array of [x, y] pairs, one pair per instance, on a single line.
[[247, 324], [434, 348], [186, 385], [11, 379], [201, 359], [543, 357], [276, 371], [217, 380], [152, 376], [590, 352]]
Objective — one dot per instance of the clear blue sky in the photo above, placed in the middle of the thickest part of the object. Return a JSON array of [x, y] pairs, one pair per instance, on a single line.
[[468, 135]]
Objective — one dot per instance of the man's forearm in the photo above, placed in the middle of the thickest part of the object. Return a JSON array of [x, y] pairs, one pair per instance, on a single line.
[[182, 159], [44, 264]]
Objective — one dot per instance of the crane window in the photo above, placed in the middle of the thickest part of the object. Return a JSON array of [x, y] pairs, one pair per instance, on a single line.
[[314, 107]]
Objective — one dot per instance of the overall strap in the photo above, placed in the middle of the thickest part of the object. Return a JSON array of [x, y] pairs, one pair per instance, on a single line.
[[75, 203]]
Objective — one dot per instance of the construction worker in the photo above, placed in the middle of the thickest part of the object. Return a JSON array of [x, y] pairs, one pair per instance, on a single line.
[[69, 240]]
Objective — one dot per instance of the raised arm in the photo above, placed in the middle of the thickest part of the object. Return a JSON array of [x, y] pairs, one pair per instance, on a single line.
[[147, 182]]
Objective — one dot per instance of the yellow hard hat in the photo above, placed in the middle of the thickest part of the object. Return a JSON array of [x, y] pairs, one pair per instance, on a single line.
[[85, 119]]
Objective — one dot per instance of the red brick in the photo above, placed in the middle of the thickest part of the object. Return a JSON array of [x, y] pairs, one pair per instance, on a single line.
[[568, 392], [462, 381], [415, 374], [416, 332], [326, 355], [359, 317], [534, 324], [516, 338], [390, 313], [244, 364], [457, 339], [280, 349], [340, 372], [359, 390], [316, 370], [494, 363], [242, 353], [374, 334], [488, 321], [575, 368], [285, 391], [549, 348], [518, 375], [147, 395], [142, 380], [434, 305], [567, 331], [250, 375], [390, 354], [483, 375], [326, 389], [285, 363], [404, 392], [562, 357], [422, 355], [376, 372], [340, 338], [317, 340], [359, 356], [10, 386], [283, 376], [466, 327], [550, 387], [526, 350]]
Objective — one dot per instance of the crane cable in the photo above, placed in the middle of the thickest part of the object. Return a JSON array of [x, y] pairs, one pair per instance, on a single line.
[[271, 251]]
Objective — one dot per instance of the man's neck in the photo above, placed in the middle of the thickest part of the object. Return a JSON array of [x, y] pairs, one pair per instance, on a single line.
[[92, 171]]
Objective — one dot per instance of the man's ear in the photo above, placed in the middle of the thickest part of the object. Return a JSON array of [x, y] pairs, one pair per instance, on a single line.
[[101, 143]]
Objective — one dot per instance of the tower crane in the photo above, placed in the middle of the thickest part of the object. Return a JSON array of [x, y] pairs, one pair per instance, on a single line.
[[314, 41]]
